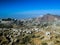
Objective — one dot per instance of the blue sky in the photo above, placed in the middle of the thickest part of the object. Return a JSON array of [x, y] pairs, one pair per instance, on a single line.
[[28, 8]]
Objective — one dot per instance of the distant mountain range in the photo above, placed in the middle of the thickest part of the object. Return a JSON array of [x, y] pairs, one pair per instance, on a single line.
[[48, 17]]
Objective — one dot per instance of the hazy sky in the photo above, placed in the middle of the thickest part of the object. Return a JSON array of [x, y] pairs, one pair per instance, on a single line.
[[28, 8]]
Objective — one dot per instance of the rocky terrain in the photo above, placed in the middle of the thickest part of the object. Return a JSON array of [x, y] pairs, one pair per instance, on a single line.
[[36, 31]]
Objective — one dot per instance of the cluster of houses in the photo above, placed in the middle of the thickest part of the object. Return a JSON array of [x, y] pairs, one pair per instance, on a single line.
[[15, 32]]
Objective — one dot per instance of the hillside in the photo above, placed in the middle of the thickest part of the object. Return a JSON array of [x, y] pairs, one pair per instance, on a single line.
[[48, 17]]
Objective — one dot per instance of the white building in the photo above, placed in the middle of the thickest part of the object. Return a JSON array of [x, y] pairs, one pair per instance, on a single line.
[[48, 33]]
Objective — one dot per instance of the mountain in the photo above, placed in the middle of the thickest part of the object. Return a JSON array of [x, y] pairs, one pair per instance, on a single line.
[[48, 17]]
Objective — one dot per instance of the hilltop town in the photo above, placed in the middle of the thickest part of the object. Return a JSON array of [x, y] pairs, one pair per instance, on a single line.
[[43, 30]]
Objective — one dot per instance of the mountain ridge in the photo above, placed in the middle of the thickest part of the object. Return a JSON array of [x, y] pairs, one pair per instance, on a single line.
[[48, 17]]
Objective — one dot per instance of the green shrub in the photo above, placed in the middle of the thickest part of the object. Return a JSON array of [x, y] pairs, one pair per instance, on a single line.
[[44, 44]]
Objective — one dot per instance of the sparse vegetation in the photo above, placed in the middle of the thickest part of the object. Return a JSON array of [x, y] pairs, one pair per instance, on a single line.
[[29, 32]]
